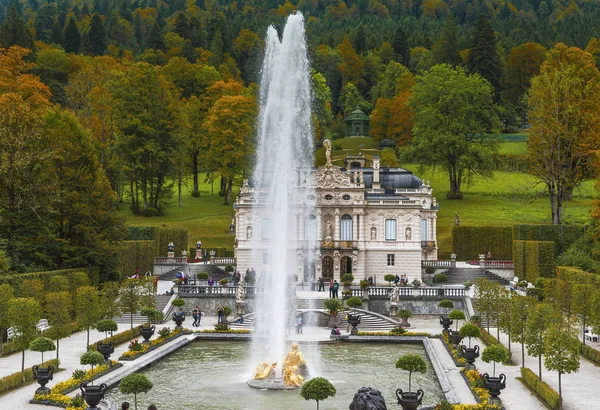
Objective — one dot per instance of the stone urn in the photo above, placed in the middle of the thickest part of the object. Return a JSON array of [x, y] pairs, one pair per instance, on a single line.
[[92, 394], [42, 376], [494, 385], [446, 322], [409, 400], [354, 321], [105, 349], [147, 332], [470, 354], [455, 337], [178, 319]]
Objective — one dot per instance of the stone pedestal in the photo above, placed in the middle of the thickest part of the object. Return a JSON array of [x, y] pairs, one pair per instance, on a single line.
[[393, 309], [184, 254], [170, 254], [240, 308]]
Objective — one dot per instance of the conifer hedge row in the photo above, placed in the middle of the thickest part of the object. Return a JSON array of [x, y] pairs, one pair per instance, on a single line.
[[576, 275], [533, 259], [16, 279], [470, 241]]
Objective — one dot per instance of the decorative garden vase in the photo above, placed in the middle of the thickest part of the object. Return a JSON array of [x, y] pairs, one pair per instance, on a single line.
[[354, 321], [446, 322], [178, 319], [105, 349], [494, 385], [147, 332], [455, 337], [92, 394], [42, 376], [409, 400], [470, 354]]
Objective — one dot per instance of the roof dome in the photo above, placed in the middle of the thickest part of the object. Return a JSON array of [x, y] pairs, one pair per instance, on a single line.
[[387, 143]]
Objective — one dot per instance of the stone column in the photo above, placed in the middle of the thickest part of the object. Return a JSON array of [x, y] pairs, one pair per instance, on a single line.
[[337, 225], [354, 226], [319, 232]]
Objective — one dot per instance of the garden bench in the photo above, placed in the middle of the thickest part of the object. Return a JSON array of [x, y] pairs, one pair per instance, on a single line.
[[12, 333], [42, 325]]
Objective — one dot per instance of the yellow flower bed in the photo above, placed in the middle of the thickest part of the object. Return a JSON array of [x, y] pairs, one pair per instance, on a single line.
[[455, 353], [71, 383], [232, 331], [475, 381], [59, 399], [425, 334], [131, 354]]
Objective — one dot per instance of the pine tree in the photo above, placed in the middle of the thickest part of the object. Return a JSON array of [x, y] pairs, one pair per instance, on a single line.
[[484, 58], [155, 39], [401, 47], [71, 37], [56, 35], [14, 31], [447, 50], [360, 40], [181, 26], [97, 36]]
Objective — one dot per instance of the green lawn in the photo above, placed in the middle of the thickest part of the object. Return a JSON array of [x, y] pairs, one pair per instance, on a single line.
[[513, 148]]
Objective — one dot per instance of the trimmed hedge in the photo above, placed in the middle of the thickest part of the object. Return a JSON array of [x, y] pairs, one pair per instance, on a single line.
[[576, 275], [533, 259], [139, 233], [16, 279], [119, 338], [589, 353], [547, 393], [163, 236], [15, 380], [562, 235], [470, 241], [134, 255]]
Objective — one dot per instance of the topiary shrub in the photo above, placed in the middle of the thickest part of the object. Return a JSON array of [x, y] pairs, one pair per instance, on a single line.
[[202, 275], [229, 268], [495, 354], [178, 302], [364, 284], [333, 305], [411, 363], [440, 278], [469, 330], [107, 325], [224, 282], [317, 389], [354, 302], [389, 278], [446, 304], [135, 383], [457, 315], [347, 279], [429, 270], [42, 344], [91, 358]]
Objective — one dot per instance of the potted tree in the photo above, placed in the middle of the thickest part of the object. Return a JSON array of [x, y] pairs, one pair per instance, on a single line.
[[455, 336], [411, 363], [354, 319], [470, 353], [92, 394], [389, 278], [364, 285], [445, 321], [135, 383], [333, 306], [495, 354], [317, 389], [147, 329], [40, 374], [404, 314], [107, 325], [178, 315]]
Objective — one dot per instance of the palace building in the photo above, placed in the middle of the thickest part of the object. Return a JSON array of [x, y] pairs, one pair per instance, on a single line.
[[368, 221]]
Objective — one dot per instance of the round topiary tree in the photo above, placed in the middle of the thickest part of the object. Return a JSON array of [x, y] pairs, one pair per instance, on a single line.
[[202, 275], [354, 302], [446, 304], [389, 278], [134, 384], [411, 363], [469, 330], [107, 325], [347, 279], [440, 278], [91, 358], [317, 389], [495, 354], [178, 302], [42, 344], [224, 282], [457, 315]]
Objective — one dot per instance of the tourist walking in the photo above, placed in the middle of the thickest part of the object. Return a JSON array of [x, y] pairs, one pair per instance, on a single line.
[[396, 280], [220, 313], [195, 316], [336, 287], [199, 316], [331, 288], [125, 405], [299, 325], [321, 284]]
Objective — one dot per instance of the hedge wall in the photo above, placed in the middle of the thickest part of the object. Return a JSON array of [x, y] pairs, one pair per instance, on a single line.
[[562, 235], [470, 241], [136, 255], [16, 279], [547, 393], [18, 379], [533, 259], [575, 275], [119, 338], [139, 233], [163, 236]]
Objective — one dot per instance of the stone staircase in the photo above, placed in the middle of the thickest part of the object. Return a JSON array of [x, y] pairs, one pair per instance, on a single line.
[[161, 302], [459, 275]]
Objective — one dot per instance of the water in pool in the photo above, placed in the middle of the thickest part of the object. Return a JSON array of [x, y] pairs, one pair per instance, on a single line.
[[212, 375]]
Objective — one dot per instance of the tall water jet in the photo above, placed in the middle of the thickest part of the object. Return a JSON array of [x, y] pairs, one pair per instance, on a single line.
[[283, 208]]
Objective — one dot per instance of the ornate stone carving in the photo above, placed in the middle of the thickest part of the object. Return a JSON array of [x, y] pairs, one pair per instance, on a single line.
[[327, 146], [329, 176], [408, 234], [373, 234], [354, 260]]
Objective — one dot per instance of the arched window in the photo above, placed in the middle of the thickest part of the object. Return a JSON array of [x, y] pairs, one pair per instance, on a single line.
[[346, 228], [310, 228]]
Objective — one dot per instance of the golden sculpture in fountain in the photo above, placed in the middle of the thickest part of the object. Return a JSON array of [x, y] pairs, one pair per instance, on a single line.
[[294, 369]]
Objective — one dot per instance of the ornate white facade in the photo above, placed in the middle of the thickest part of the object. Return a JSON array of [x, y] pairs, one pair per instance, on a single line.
[[367, 221]]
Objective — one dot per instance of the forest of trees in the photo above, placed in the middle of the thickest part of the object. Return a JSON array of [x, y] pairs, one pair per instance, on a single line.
[[150, 92]]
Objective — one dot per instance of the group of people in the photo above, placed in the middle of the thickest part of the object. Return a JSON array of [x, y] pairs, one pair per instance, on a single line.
[[197, 315], [182, 277], [334, 287], [402, 280], [125, 406]]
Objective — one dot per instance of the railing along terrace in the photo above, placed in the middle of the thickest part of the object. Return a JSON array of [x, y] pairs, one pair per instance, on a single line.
[[191, 290], [409, 291], [493, 264], [438, 264], [223, 261], [170, 261]]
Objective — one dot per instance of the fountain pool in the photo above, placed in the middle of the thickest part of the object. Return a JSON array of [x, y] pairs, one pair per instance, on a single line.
[[211, 375]]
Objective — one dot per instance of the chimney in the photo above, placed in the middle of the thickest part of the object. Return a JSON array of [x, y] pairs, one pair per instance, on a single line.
[[376, 184]]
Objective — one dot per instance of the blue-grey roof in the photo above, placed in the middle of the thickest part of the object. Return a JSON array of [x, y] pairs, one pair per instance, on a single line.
[[393, 178]]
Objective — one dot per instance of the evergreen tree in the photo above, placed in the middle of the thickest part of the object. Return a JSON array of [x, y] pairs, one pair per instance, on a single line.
[[139, 30], [97, 36], [197, 36], [447, 50], [155, 39], [401, 47], [484, 58], [44, 19], [56, 36], [181, 26], [71, 37], [85, 10], [360, 40], [14, 31]]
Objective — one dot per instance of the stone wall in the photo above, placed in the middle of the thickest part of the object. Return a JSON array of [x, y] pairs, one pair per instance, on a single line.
[[209, 305], [418, 306]]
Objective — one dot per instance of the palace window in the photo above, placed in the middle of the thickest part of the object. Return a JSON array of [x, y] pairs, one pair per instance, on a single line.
[[424, 230], [346, 228], [390, 229], [346, 197], [328, 197], [390, 259]]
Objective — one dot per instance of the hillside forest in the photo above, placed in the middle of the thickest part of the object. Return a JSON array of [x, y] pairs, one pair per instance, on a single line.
[[119, 101]]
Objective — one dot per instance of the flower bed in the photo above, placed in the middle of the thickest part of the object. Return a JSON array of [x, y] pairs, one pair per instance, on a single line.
[[119, 338], [425, 334], [459, 361], [19, 379], [474, 380], [137, 349], [73, 383], [59, 400]]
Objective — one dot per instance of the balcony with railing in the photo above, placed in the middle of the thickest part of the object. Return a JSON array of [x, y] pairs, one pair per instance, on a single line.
[[428, 244]]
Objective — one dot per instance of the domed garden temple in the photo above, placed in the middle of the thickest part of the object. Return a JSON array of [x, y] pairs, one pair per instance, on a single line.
[[368, 221]]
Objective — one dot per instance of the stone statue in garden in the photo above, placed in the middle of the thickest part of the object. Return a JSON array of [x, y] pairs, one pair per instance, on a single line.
[[395, 294], [327, 146]]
